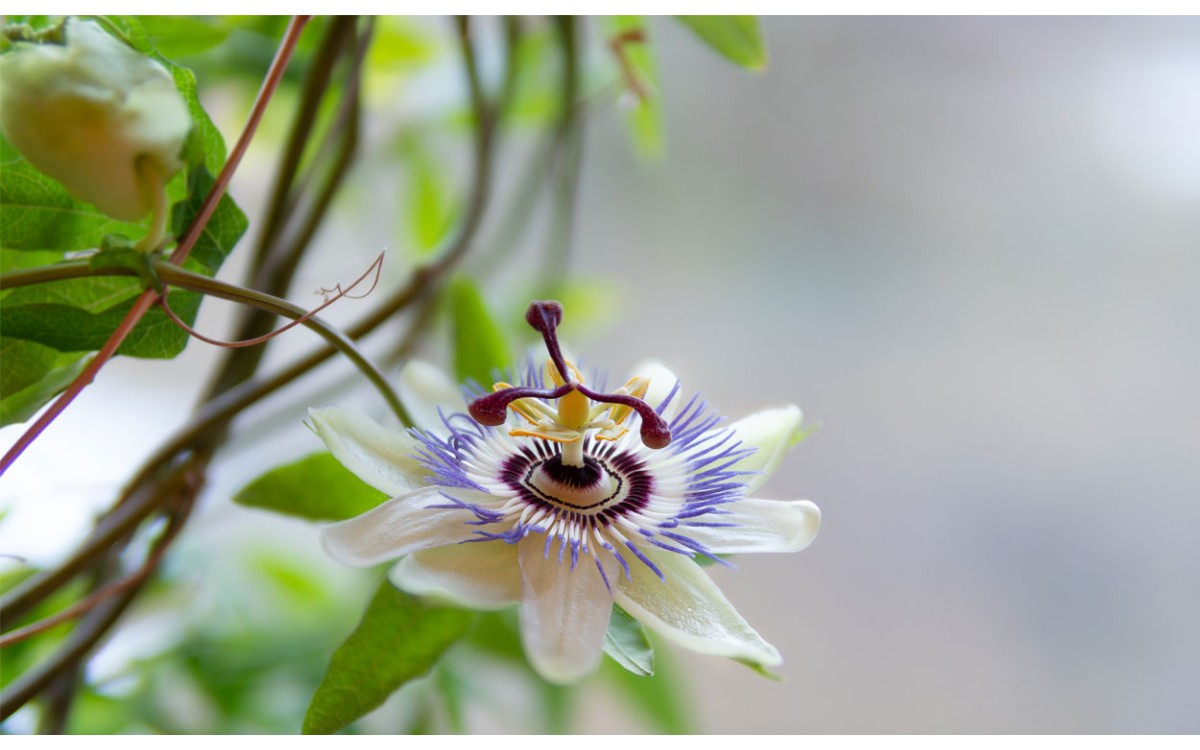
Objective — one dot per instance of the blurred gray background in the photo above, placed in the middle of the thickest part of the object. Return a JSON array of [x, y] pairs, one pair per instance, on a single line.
[[970, 249]]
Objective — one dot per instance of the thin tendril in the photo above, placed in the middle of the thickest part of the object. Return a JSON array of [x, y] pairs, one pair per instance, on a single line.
[[377, 267]]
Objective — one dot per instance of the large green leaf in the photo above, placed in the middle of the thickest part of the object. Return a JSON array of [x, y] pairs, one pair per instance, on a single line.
[[73, 329], [316, 487], [644, 115], [480, 347], [399, 639], [31, 375], [37, 213], [737, 38]]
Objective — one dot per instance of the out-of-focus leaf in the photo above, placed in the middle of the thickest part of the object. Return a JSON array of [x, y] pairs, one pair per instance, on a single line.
[[479, 343], [37, 213], [399, 639], [737, 38], [451, 687], [639, 75], [31, 375], [659, 698], [316, 487], [176, 36], [536, 98], [628, 645], [223, 230], [399, 41], [497, 634], [429, 204]]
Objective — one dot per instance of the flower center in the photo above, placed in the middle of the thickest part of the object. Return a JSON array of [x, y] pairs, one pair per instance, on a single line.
[[608, 485], [588, 489]]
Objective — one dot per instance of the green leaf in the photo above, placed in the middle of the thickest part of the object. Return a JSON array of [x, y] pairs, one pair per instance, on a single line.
[[628, 645], [74, 329], [479, 343], [737, 38], [640, 77], [37, 213], [399, 639], [429, 200], [204, 144], [223, 230], [316, 487], [31, 375], [177, 36]]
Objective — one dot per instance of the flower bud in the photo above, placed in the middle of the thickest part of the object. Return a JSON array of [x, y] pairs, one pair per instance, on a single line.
[[102, 119]]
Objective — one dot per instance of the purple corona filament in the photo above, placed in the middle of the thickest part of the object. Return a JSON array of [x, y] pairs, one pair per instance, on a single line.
[[544, 317]]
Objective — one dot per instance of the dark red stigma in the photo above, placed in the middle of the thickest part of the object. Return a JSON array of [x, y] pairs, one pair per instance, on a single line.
[[544, 316]]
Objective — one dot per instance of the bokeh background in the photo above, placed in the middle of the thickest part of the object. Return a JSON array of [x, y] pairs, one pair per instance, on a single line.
[[969, 249]]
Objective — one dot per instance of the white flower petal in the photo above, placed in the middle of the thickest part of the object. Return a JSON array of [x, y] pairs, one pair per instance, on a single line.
[[422, 389], [662, 380], [382, 457], [402, 525], [478, 575], [689, 609], [564, 612], [759, 526], [770, 433]]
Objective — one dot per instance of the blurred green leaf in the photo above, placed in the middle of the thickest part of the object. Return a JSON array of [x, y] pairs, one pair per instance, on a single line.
[[628, 645], [31, 375], [316, 487], [480, 346], [177, 36], [737, 38], [629, 41], [399, 41], [399, 639], [429, 200]]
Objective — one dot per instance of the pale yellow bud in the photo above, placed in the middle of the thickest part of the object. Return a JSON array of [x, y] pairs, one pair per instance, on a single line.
[[102, 119]]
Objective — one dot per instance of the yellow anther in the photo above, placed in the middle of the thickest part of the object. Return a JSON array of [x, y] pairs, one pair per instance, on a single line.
[[574, 410], [556, 376], [637, 388]]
